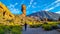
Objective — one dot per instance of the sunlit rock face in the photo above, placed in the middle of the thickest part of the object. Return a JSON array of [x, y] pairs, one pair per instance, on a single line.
[[7, 18], [24, 10], [5, 13]]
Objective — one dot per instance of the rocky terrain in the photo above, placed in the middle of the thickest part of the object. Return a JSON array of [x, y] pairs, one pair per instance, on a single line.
[[7, 18]]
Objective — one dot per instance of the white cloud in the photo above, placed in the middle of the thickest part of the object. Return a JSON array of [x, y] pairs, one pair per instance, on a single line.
[[16, 3], [54, 2], [11, 5], [57, 1], [58, 12], [34, 11], [35, 3], [48, 9], [22, 2], [30, 4], [41, 5], [13, 9], [33, 7]]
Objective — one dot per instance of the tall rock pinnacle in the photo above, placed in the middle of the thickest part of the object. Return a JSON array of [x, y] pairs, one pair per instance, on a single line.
[[24, 10]]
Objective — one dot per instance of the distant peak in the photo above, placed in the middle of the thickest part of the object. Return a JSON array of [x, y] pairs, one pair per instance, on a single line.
[[44, 11]]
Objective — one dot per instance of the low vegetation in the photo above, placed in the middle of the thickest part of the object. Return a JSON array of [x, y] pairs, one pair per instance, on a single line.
[[50, 26], [16, 29], [35, 26], [46, 27]]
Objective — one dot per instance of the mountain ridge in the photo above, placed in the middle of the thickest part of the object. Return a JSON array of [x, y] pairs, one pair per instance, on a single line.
[[46, 14]]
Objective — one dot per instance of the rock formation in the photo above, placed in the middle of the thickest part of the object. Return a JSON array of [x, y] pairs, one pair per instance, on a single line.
[[5, 13], [23, 10], [7, 18]]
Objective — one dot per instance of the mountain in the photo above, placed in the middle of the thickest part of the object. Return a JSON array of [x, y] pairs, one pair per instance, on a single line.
[[45, 14]]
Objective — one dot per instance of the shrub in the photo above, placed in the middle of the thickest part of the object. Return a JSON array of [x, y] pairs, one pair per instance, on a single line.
[[35, 26], [46, 27], [1, 30], [54, 26], [16, 29], [59, 23]]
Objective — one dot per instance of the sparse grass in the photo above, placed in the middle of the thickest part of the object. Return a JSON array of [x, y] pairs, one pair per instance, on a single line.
[[35, 25], [16, 29], [50, 26], [47, 27]]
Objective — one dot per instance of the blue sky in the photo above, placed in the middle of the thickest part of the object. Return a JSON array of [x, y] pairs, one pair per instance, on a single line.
[[32, 6]]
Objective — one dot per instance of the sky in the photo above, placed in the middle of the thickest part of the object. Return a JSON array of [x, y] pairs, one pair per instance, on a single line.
[[32, 6]]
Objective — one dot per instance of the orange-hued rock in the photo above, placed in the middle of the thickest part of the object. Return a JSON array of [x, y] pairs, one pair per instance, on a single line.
[[7, 18], [4, 12], [23, 10]]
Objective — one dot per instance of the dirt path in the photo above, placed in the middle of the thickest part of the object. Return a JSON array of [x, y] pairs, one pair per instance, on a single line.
[[38, 31]]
